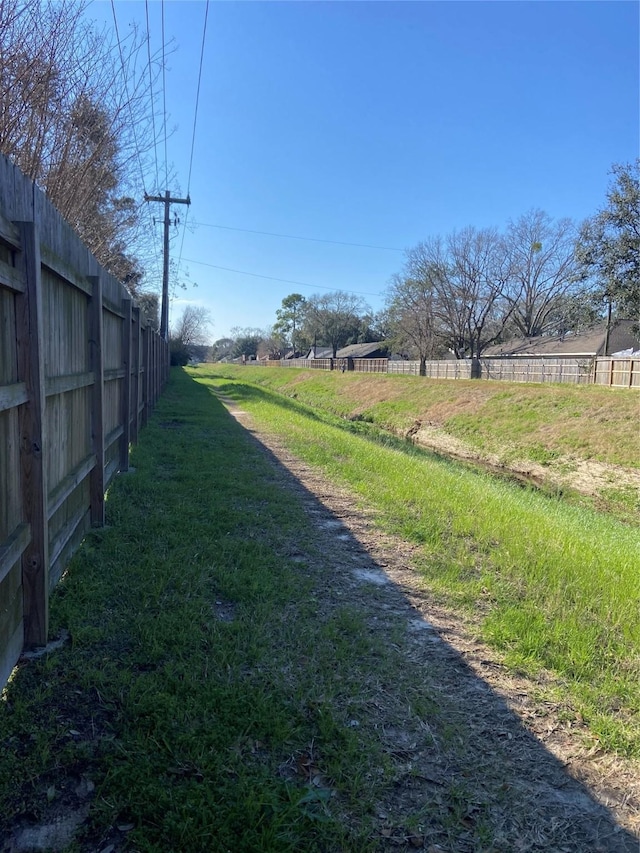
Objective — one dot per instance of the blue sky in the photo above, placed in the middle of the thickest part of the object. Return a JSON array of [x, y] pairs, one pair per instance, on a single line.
[[379, 123]]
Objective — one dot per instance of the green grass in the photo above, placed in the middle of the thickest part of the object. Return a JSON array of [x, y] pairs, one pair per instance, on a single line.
[[558, 586], [510, 419], [205, 665], [212, 681]]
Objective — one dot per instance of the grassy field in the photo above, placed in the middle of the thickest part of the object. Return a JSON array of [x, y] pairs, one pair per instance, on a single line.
[[533, 421], [557, 585], [217, 694], [567, 433], [198, 693]]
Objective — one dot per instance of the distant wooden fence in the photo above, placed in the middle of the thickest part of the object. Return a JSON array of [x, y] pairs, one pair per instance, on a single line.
[[617, 372], [450, 369], [79, 374], [614, 372]]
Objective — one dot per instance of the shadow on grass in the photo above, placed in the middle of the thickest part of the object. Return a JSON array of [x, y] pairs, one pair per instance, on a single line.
[[376, 435], [499, 747], [247, 393], [248, 677]]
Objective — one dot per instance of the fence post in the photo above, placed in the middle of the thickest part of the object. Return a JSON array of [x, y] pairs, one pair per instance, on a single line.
[[144, 359], [30, 337], [126, 384], [148, 372], [152, 370], [156, 368], [96, 359], [135, 361]]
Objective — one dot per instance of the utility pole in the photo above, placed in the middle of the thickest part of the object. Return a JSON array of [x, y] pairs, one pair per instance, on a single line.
[[164, 313]]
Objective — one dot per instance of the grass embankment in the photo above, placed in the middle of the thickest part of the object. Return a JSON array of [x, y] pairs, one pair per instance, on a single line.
[[532, 420], [555, 585], [554, 426], [205, 693], [220, 697]]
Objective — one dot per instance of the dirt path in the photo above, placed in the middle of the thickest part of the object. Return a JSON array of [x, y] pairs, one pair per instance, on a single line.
[[547, 784]]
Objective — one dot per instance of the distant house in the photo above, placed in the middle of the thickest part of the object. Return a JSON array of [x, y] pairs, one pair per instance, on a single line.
[[320, 352], [587, 344], [375, 349]]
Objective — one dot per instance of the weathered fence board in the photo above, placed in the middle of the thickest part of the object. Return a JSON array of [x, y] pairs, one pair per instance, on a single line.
[[369, 365], [614, 372], [79, 372], [33, 457], [617, 372]]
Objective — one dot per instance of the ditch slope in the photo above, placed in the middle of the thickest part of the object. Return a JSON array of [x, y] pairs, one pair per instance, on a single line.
[[580, 440], [530, 757]]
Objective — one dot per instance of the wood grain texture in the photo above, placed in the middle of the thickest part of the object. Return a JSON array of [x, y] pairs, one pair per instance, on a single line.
[[72, 380], [29, 334]]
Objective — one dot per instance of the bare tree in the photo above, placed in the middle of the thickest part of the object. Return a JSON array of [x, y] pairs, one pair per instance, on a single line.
[[76, 117], [272, 345], [542, 271], [192, 329], [246, 341], [467, 273], [410, 315], [334, 319], [149, 306]]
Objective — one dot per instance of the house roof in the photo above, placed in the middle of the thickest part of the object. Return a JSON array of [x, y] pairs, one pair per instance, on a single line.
[[588, 343], [320, 352], [362, 350]]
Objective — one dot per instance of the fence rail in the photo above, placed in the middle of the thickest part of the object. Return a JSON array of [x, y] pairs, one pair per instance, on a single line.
[[614, 372], [79, 373]]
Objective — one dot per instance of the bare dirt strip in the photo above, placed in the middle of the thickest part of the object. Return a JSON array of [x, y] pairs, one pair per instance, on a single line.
[[547, 784], [586, 476]]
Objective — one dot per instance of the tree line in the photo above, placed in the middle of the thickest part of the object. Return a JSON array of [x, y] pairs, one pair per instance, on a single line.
[[76, 116], [459, 293]]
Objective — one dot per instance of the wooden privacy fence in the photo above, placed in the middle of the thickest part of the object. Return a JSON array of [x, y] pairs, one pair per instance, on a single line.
[[614, 372], [450, 369], [79, 373], [617, 372]]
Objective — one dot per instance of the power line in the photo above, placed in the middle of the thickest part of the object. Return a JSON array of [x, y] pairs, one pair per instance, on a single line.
[[296, 237], [282, 280], [193, 136], [126, 90], [153, 111], [164, 101], [195, 117], [153, 126]]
